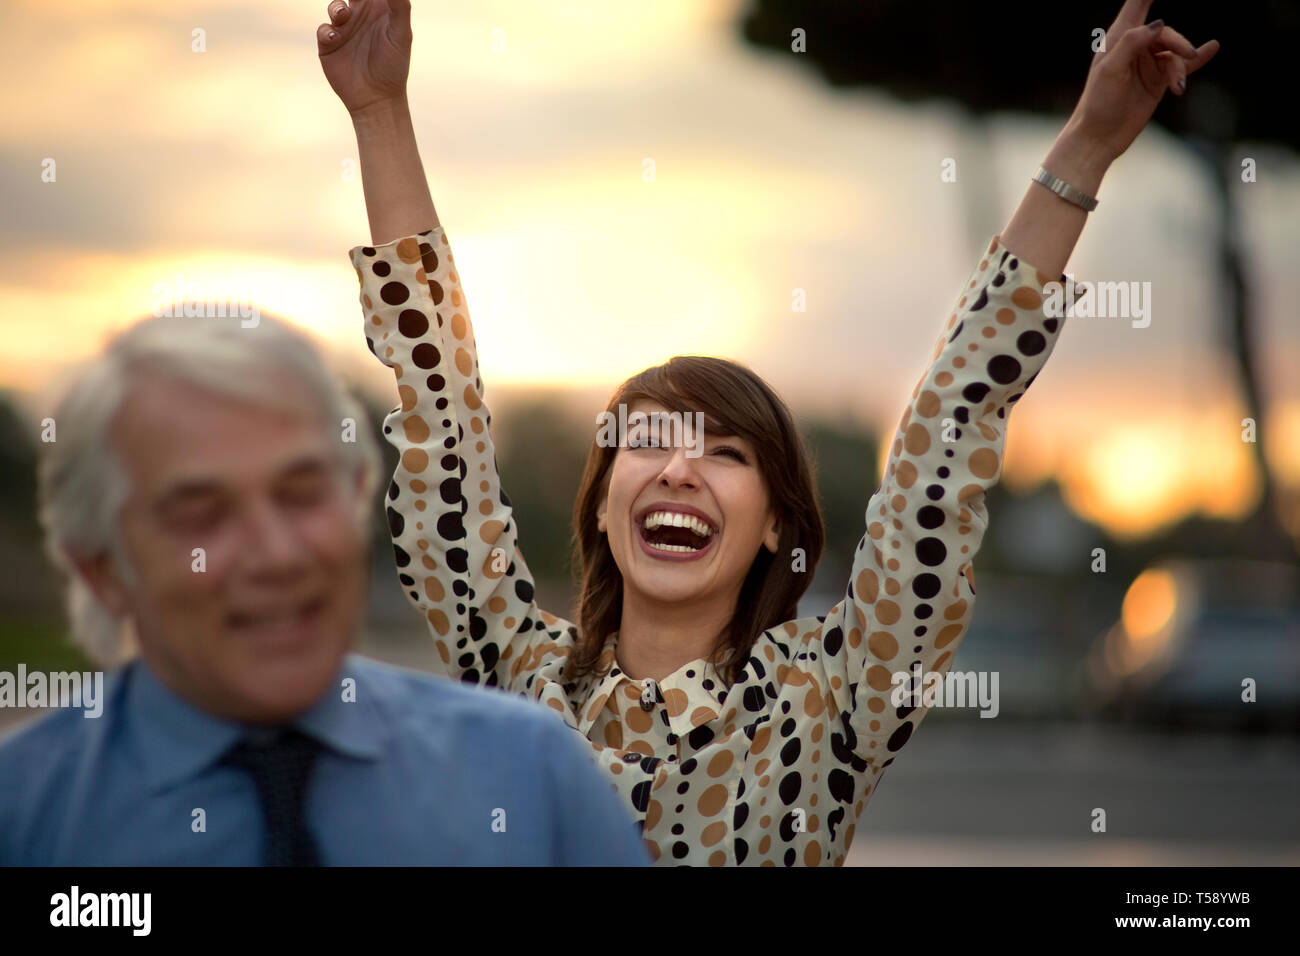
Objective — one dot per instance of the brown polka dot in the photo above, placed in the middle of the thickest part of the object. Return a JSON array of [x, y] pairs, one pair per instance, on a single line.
[[464, 364], [653, 814], [717, 858], [1026, 298], [720, 764], [868, 585], [945, 636], [415, 460], [879, 678], [491, 530], [408, 250], [485, 507], [416, 429], [702, 715], [638, 720], [882, 645], [927, 406], [906, 474], [898, 502], [407, 395], [968, 492], [458, 326], [983, 463], [813, 705], [917, 439], [496, 604], [433, 588], [675, 701], [712, 834], [712, 800], [959, 362], [891, 586], [1006, 316], [887, 612], [988, 331], [472, 401], [812, 854], [954, 612], [876, 530], [943, 379], [439, 621]]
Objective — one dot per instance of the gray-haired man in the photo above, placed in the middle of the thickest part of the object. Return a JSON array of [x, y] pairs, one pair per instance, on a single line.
[[206, 498]]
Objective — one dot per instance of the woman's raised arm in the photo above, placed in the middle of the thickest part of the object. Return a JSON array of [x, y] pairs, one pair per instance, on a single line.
[[453, 533], [365, 51]]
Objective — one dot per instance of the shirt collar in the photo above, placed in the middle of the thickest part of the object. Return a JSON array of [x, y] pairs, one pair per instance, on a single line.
[[177, 739], [688, 703]]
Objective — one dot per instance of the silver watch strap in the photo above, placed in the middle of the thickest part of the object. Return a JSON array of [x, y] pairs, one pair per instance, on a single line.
[[1065, 190]]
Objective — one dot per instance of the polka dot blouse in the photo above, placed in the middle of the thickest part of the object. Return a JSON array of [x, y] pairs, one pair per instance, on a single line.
[[777, 768]]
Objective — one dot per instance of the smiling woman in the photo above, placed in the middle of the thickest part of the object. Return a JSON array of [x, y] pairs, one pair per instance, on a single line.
[[736, 732]]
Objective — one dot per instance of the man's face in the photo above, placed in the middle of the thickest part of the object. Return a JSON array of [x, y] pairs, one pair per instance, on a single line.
[[255, 626]]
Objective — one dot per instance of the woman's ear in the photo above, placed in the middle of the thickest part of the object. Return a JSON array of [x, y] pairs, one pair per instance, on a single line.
[[773, 536]]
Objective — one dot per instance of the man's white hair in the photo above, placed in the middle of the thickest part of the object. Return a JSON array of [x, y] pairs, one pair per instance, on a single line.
[[83, 483]]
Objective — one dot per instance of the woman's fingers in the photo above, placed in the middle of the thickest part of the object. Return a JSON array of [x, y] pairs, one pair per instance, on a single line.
[[327, 38], [1174, 68], [1204, 54], [330, 36], [1170, 39]]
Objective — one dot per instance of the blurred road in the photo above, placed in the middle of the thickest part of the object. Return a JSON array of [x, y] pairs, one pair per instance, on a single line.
[[1001, 793]]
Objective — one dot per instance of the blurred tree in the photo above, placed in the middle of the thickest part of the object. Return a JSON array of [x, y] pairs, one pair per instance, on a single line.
[[1034, 57]]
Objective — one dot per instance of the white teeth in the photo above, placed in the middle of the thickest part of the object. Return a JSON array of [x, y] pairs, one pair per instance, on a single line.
[[674, 519], [673, 547]]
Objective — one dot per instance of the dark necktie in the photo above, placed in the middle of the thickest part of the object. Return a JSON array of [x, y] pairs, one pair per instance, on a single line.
[[281, 770]]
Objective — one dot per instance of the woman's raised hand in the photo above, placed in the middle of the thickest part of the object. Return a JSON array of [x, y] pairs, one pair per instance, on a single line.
[[365, 51], [1129, 77]]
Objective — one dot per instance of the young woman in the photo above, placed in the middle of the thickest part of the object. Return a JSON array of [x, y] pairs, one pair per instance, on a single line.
[[737, 732]]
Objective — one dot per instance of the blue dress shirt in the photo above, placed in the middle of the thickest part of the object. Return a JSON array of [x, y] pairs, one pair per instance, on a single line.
[[418, 770]]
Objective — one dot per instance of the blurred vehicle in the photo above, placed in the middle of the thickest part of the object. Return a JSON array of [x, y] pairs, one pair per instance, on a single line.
[[1190, 638]]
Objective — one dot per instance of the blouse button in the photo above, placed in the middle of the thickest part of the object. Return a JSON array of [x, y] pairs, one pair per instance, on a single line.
[[648, 695]]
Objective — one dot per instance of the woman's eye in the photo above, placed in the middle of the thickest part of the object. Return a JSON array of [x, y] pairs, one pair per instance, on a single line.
[[731, 452]]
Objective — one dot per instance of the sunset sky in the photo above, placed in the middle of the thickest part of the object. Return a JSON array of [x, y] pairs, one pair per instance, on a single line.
[[234, 169]]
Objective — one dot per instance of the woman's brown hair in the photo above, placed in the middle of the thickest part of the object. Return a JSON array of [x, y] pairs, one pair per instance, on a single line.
[[735, 401]]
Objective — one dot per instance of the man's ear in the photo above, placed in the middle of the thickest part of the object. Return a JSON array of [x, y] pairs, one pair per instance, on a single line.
[[101, 577]]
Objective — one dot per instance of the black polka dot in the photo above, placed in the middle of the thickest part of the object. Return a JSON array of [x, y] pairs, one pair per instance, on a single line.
[[975, 392], [925, 585], [1004, 369], [425, 355], [1031, 343], [394, 293], [381, 268], [931, 552], [929, 517], [412, 323]]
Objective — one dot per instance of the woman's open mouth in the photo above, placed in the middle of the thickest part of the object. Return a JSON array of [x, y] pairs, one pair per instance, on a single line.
[[671, 535]]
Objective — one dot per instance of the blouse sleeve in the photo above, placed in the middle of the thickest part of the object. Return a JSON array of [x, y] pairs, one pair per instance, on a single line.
[[912, 587], [454, 537]]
